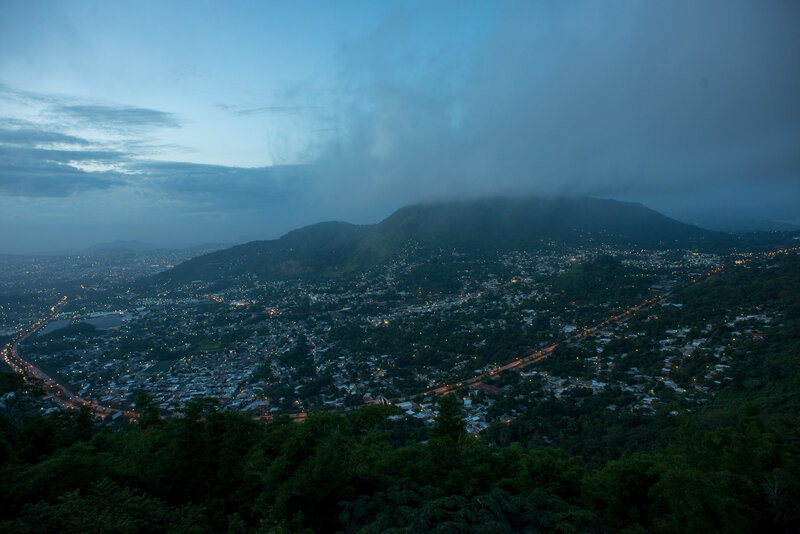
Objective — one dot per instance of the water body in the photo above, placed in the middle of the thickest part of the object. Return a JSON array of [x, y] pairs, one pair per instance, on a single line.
[[108, 322], [54, 325]]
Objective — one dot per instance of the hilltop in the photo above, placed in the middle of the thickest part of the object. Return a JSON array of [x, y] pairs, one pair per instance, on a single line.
[[331, 249]]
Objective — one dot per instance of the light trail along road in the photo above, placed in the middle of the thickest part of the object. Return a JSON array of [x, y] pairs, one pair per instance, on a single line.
[[57, 393]]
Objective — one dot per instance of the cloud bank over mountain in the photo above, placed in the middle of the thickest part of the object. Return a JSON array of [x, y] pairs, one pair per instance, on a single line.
[[667, 99]]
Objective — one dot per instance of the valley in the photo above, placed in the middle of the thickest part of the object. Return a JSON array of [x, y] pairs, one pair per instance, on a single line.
[[506, 330]]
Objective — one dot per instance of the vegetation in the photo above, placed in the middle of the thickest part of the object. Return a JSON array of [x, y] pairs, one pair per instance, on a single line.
[[218, 471], [604, 279], [333, 249], [763, 374], [586, 462]]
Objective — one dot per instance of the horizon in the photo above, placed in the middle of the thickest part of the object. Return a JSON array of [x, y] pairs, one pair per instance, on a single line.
[[180, 124], [134, 245]]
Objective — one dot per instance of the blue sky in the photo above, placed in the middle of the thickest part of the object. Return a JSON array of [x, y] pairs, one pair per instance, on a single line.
[[187, 122]]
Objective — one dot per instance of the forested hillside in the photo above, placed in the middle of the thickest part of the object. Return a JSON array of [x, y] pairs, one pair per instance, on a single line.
[[477, 227], [215, 471]]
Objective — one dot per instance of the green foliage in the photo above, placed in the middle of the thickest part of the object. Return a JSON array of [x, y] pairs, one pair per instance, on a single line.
[[430, 278], [479, 227], [217, 471], [410, 508], [765, 373], [449, 422], [300, 358], [10, 382], [604, 279], [104, 508], [147, 409], [586, 428]]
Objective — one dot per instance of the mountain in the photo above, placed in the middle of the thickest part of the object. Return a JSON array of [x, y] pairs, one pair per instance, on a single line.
[[471, 227], [322, 249], [503, 223]]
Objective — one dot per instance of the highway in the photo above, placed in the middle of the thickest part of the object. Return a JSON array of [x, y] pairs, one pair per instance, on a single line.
[[57, 393], [532, 357], [63, 397], [541, 354]]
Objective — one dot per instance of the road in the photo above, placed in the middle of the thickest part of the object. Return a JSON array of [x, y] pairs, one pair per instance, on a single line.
[[534, 356], [64, 398], [57, 393], [541, 354]]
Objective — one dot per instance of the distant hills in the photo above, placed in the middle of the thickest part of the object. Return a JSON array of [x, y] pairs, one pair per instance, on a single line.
[[751, 224], [332, 249], [777, 217]]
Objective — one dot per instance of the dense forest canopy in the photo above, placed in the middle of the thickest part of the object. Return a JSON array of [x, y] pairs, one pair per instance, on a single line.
[[219, 471]]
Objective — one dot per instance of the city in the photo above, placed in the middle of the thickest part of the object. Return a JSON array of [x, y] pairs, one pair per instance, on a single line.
[[272, 348]]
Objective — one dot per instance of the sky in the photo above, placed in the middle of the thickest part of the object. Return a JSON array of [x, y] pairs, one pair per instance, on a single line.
[[180, 123]]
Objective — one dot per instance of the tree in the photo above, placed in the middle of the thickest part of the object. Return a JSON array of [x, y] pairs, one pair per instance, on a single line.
[[449, 422], [147, 409]]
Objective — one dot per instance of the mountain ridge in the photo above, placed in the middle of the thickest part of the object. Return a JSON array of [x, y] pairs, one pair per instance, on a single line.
[[333, 248]]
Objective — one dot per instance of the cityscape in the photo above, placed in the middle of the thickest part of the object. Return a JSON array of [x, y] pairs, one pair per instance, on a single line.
[[286, 348]]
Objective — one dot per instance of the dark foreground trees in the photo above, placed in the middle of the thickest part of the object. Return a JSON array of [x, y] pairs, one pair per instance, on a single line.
[[217, 471]]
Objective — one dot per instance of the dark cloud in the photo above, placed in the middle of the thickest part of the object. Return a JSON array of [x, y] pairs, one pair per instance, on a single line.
[[12, 153], [610, 99], [28, 135], [28, 172], [38, 172], [649, 96], [37, 162], [118, 117], [223, 188], [31, 167], [41, 160]]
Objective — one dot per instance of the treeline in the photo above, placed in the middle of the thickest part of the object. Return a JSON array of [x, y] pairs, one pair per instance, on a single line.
[[218, 471]]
